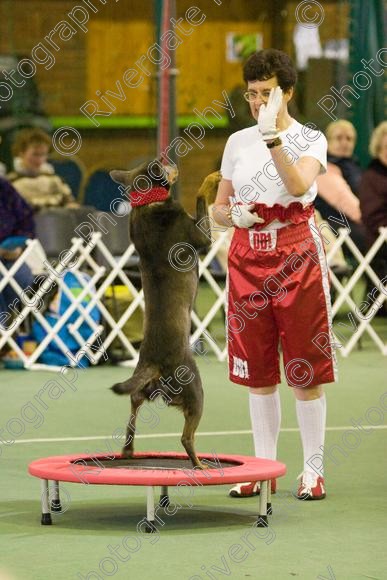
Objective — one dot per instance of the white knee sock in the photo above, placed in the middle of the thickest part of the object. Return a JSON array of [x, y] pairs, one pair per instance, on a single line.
[[265, 413], [311, 417]]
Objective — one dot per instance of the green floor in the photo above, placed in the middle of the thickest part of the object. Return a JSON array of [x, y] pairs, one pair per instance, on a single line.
[[343, 537]]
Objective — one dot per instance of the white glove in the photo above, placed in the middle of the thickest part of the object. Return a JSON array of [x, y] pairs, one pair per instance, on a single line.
[[267, 118], [242, 217]]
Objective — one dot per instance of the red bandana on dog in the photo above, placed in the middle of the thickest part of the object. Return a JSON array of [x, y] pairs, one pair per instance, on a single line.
[[137, 198]]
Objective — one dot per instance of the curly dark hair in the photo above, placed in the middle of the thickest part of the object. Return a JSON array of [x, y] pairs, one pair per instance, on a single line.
[[27, 137], [265, 64]]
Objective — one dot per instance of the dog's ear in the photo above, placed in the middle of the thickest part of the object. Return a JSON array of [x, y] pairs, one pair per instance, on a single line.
[[123, 177], [171, 173], [127, 178]]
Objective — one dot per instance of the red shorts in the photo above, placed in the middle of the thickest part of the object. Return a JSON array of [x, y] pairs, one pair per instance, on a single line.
[[278, 290]]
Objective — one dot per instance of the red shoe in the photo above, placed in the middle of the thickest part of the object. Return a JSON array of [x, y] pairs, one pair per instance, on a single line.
[[311, 486], [250, 489]]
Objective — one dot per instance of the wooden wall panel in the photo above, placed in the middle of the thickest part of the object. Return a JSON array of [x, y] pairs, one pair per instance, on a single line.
[[25, 23], [113, 47], [203, 69], [82, 64]]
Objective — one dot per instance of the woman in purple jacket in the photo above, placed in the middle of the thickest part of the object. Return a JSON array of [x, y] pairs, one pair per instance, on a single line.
[[16, 224]]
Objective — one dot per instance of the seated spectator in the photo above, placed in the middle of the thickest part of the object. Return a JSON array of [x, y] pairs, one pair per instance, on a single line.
[[3, 168], [33, 177], [338, 187], [16, 225], [373, 185], [373, 197]]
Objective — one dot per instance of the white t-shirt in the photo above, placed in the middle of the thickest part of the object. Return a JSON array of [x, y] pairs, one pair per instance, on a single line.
[[248, 163]]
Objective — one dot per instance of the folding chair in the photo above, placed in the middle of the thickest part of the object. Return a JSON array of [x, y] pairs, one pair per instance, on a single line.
[[100, 190], [54, 230], [56, 227], [72, 171]]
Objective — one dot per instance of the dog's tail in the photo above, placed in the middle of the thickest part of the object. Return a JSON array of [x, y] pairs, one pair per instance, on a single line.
[[142, 376]]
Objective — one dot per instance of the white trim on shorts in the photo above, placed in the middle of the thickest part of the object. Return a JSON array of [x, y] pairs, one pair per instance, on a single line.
[[325, 284]]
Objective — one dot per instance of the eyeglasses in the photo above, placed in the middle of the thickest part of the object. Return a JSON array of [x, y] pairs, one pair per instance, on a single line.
[[251, 96]]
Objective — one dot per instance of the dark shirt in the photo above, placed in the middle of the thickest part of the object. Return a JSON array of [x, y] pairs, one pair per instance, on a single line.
[[350, 169], [373, 198], [351, 172], [16, 216]]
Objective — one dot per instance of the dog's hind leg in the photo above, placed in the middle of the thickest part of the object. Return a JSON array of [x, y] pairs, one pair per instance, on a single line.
[[136, 402], [192, 419]]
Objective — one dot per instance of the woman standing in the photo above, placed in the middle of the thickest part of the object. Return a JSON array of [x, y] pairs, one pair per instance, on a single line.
[[278, 280]]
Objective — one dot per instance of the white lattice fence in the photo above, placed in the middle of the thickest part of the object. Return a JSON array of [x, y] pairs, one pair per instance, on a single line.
[[109, 329], [101, 278], [344, 292]]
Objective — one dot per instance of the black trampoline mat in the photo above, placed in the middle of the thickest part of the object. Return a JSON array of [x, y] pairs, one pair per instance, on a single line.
[[162, 463]]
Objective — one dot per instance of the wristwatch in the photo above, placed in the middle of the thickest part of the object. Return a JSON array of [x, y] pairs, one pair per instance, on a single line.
[[277, 141]]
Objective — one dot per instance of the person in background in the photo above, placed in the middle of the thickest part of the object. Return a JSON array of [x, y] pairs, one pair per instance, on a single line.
[[16, 226], [373, 198], [338, 187], [33, 177], [3, 167]]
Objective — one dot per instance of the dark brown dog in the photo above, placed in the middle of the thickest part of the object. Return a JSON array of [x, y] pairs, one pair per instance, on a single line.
[[166, 239]]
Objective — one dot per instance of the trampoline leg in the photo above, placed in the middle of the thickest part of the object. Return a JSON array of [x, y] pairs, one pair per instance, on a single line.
[[55, 502], [164, 498], [46, 514], [150, 511], [262, 518], [269, 508]]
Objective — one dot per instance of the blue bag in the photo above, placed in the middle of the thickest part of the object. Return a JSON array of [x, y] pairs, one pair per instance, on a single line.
[[53, 355]]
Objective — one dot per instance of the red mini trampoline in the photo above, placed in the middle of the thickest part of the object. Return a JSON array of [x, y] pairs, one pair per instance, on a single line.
[[150, 469]]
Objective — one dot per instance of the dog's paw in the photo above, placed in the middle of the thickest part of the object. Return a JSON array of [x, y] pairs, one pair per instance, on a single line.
[[127, 453], [201, 465], [209, 187]]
